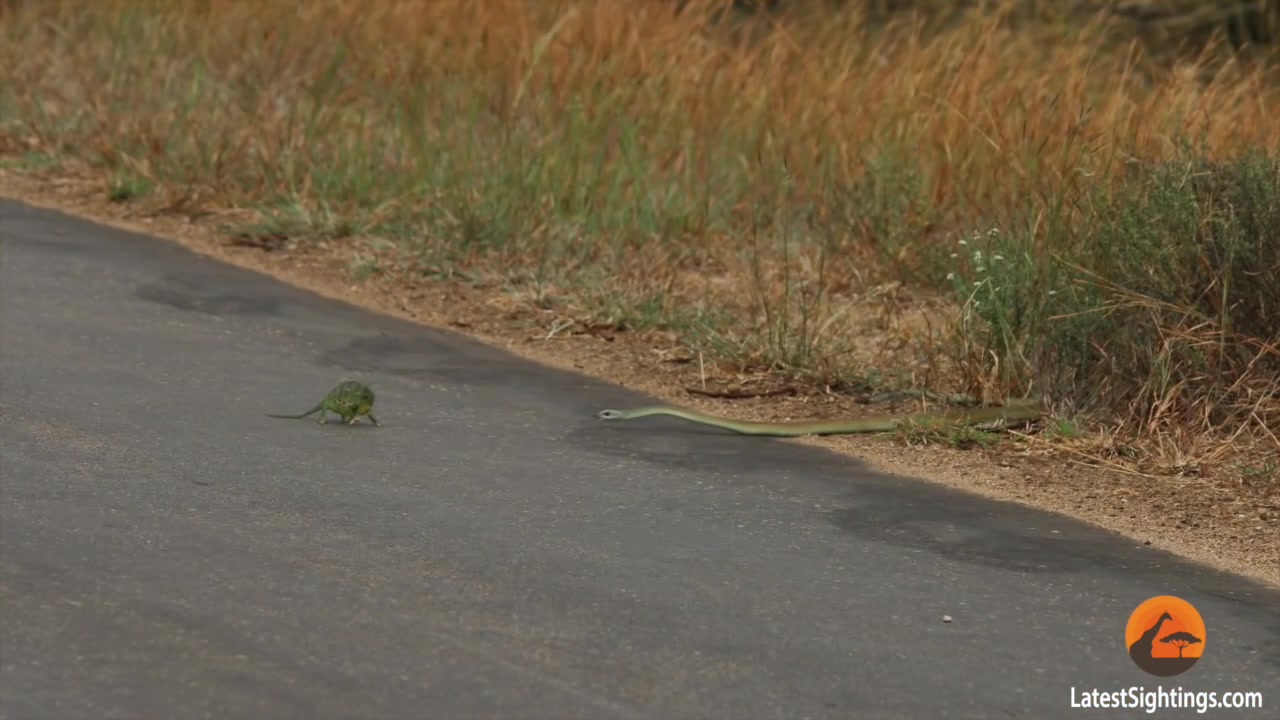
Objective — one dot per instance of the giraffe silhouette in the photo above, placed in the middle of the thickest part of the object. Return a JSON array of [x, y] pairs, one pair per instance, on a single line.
[[1140, 650]]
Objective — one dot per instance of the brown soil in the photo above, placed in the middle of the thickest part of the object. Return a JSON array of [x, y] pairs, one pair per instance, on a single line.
[[1214, 520]]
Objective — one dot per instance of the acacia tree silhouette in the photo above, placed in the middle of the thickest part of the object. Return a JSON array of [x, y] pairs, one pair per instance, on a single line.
[[1181, 639]]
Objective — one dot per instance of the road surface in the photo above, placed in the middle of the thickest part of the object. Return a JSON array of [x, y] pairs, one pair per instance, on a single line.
[[494, 551]]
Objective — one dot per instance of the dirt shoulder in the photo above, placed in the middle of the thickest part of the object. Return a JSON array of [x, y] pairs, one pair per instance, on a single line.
[[1211, 520]]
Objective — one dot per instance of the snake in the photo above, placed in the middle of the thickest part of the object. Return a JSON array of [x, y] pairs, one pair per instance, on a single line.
[[1015, 411]]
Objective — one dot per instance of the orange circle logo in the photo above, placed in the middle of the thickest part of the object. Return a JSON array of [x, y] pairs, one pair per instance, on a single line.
[[1165, 636]]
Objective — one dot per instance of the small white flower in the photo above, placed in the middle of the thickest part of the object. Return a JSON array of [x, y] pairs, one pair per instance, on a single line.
[[955, 255], [997, 257], [1053, 292], [952, 276], [964, 242]]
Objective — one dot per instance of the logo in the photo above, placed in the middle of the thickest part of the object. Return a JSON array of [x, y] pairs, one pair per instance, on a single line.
[[1165, 636]]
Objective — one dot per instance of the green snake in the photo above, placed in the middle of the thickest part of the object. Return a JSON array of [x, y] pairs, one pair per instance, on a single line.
[[1015, 411]]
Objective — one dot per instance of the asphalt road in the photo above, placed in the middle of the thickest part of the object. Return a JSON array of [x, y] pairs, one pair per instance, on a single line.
[[166, 551]]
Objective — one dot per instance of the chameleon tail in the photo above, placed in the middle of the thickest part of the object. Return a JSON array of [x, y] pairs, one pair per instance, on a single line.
[[312, 411]]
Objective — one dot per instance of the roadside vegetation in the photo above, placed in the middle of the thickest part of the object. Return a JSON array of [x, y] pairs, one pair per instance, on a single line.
[[1023, 199]]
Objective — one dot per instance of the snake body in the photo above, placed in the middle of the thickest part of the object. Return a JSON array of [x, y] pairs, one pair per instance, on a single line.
[[1016, 411]]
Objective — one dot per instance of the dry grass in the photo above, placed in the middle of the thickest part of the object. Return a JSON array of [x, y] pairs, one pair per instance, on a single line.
[[776, 193]]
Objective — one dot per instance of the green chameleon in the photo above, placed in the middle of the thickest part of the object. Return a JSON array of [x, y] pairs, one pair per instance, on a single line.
[[350, 400]]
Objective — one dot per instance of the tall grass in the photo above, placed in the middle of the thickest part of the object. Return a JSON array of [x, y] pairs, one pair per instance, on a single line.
[[747, 184], [1163, 301]]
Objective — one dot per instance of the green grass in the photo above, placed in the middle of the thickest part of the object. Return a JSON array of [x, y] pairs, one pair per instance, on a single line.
[[1162, 298]]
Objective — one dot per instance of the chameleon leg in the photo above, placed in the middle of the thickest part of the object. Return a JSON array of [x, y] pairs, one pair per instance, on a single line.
[[375, 420], [322, 421]]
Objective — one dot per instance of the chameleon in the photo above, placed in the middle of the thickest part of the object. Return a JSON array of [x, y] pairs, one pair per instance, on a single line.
[[1015, 411], [349, 399]]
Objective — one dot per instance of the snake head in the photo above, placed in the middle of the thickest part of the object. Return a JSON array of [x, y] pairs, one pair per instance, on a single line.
[[609, 414]]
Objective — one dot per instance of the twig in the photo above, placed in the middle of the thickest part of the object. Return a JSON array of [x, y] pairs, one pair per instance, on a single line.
[[741, 394], [556, 327], [891, 395]]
